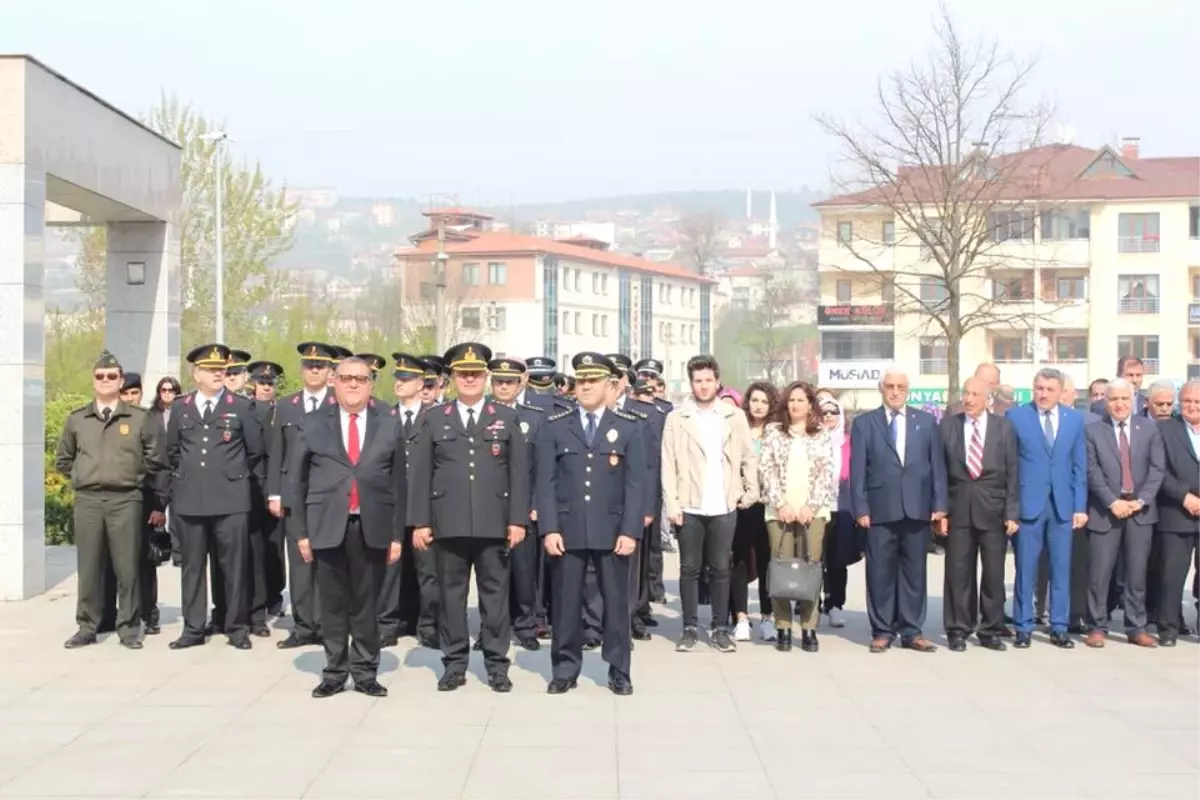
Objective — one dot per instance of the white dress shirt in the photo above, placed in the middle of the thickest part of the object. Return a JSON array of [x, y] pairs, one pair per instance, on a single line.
[[319, 396], [901, 428], [1128, 433], [462, 411], [202, 399], [112, 409], [1193, 432], [404, 410], [711, 426], [583, 417]]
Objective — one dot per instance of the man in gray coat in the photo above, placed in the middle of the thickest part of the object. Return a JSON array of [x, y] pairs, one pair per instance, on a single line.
[[1125, 471]]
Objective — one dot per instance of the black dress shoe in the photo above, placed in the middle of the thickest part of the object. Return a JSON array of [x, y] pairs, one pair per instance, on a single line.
[[640, 633], [619, 684], [808, 641], [151, 629], [328, 688], [295, 640], [212, 629], [958, 644], [500, 683], [529, 642], [991, 643], [80, 640], [783, 639], [131, 644], [388, 641], [1166, 639], [1062, 639], [451, 681], [240, 644], [561, 685], [1023, 641], [184, 642], [371, 688], [430, 642], [1077, 629], [592, 644], [650, 622], [543, 631], [260, 630], [478, 645]]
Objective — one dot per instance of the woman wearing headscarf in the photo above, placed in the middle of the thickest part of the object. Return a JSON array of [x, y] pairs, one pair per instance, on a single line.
[[842, 547]]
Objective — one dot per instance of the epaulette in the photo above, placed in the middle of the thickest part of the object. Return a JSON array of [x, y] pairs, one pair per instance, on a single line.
[[394, 411], [82, 409], [296, 399], [566, 412], [187, 398], [229, 398], [623, 414], [529, 407]]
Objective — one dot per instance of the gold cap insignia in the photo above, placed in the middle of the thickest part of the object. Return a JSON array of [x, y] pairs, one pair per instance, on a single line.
[[587, 359], [215, 355], [504, 366], [312, 352], [469, 355]]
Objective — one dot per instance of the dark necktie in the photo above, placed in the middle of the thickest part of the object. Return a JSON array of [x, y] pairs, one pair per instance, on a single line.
[[589, 430], [352, 452], [105, 414], [470, 419], [207, 410], [313, 402], [1048, 427], [407, 422], [1126, 462]]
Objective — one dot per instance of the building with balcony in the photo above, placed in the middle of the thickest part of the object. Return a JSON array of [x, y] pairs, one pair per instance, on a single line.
[[1105, 262], [528, 295]]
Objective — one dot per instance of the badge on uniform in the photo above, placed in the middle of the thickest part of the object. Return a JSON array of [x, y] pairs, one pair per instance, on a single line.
[[611, 435], [613, 459], [525, 428], [123, 429], [495, 448], [227, 436]]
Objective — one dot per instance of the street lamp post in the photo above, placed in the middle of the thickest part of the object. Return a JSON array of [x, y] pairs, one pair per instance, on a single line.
[[440, 333], [221, 138]]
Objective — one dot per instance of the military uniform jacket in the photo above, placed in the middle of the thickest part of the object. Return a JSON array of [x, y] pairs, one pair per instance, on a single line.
[[590, 495], [469, 483], [122, 454], [215, 464], [285, 444]]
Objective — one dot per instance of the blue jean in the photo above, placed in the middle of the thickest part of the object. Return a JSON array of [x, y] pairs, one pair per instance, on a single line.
[[1049, 533]]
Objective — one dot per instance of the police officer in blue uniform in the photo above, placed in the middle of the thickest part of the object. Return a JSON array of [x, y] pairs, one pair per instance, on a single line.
[[651, 370], [655, 419], [523, 560], [215, 454], [590, 466]]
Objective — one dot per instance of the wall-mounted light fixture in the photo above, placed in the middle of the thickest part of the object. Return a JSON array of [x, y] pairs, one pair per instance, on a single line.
[[135, 273]]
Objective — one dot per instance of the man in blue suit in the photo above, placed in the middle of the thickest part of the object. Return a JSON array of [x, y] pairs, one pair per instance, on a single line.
[[897, 489], [1052, 471]]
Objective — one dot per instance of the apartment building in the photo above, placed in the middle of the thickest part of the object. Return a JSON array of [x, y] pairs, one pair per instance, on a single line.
[[1104, 264], [529, 295]]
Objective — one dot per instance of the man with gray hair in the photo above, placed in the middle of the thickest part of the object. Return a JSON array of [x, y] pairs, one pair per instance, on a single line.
[[1178, 510], [1160, 403]]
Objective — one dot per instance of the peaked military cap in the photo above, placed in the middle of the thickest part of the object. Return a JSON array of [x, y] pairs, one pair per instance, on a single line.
[[209, 356], [469, 357], [649, 366], [238, 361], [317, 354], [375, 362], [408, 366], [106, 360], [265, 372], [133, 380], [622, 361], [590, 366], [506, 367]]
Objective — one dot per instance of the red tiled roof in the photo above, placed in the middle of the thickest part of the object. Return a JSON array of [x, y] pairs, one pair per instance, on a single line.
[[456, 212], [1053, 172], [585, 241], [495, 243]]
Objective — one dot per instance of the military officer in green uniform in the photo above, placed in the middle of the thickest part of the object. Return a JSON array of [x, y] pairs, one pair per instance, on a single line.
[[237, 372], [110, 451]]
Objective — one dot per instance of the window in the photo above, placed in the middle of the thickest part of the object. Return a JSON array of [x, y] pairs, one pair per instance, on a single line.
[[497, 273], [1137, 294], [692, 297], [1196, 285], [887, 289], [889, 232], [1071, 349], [604, 325], [1065, 224], [470, 319], [1107, 165], [595, 323], [579, 280], [1008, 349], [497, 318], [578, 326], [1011, 226], [843, 291], [595, 283], [1194, 222], [933, 356], [857, 345], [470, 274], [669, 288], [428, 292], [604, 284], [1143, 347], [845, 231], [566, 322], [1137, 233], [933, 291], [1012, 289], [1071, 287]]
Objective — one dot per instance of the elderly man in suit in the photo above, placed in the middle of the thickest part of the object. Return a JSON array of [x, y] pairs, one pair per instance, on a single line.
[[1052, 470], [897, 487], [981, 474], [1178, 509], [351, 480], [1125, 471], [1133, 370]]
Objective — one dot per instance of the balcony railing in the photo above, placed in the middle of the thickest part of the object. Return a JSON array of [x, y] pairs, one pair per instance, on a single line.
[[1137, 244], [1151, 366], [934, 366], [1193, 313], [1137, 305]]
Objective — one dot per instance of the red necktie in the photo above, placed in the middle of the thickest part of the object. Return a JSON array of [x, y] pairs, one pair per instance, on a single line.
[[352, 451]]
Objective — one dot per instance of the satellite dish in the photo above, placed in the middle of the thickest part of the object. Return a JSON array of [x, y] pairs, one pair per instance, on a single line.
[[1066, 134]]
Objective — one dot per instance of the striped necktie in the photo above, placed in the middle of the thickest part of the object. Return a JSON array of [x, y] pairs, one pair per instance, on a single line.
[[975, 452]]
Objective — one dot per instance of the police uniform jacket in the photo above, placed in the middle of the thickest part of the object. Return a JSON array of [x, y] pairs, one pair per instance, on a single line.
[[215, 465], [649, 431], [469, 483], [590, 494], [285, 444], [531, 418]]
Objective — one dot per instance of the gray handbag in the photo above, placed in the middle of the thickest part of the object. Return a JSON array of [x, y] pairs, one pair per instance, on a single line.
[[795, 580]]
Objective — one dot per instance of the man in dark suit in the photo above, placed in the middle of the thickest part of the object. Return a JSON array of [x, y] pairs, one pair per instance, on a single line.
[[287, 441], [897, 487], [215, 454], [1125, 471], [268, 576], [1178, 509], [981, 475], [1052, 474], [470, 500], [408, 593], [591, 501], [1133, 370], [351, 481]]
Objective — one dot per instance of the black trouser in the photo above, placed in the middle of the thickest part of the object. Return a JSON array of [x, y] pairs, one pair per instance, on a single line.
[[896, 591], [108, 526], [657, 591], [593, 605], [705, 541], [429, 592], [833, 585], [409, 610], [350, 576], [227, 537], [262, 523], [388, 603], [217, 585], [275, 563], [639, 565], [523, 564], [973, 604], [750, 541], [567, 574], [1154, 580], [455, 558], [1177, 553], [303, 586]]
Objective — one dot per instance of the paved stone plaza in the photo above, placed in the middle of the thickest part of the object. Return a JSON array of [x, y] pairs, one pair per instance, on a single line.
[[215, 722]]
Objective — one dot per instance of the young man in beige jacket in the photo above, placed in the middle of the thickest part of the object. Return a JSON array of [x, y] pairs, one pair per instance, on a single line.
[[709, 471]]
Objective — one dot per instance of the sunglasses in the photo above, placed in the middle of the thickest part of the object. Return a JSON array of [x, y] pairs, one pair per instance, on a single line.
[[106, 376], [831, 413]]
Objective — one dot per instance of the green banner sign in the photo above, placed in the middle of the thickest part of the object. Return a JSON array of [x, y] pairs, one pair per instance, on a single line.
[[921, 397]]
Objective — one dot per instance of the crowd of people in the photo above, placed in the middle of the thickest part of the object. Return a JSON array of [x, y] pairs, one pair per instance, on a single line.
[[557, 492]]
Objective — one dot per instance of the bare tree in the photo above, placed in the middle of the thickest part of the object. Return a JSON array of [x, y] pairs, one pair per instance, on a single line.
[[702, 232], [465, 315], [954, 163], [768, 330]]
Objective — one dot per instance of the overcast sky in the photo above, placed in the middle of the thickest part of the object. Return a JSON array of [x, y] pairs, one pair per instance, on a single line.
[[559, 99]]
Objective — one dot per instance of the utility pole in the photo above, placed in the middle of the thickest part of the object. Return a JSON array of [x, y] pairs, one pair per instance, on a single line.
[[439, 297]]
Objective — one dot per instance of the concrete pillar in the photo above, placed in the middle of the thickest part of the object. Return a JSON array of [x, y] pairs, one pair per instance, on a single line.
[[142, 319], [22, 378]]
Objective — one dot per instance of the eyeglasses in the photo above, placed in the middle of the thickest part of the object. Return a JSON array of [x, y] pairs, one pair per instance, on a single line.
[[831, 413], [354, 380], [106, 376]]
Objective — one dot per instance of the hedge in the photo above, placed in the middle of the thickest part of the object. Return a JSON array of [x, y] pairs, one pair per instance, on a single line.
[[60, 499]]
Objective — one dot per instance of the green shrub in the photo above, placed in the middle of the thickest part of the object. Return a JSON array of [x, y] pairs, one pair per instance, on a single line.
[[59, 497]]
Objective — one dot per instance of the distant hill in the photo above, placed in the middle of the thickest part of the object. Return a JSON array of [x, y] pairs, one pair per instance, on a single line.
[[793, 208]]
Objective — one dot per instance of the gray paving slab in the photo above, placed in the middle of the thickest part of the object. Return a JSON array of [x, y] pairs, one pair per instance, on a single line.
[[215, 722]]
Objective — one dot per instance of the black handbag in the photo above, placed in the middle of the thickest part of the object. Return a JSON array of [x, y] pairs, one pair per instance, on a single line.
[[795, 580]]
